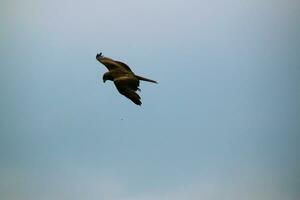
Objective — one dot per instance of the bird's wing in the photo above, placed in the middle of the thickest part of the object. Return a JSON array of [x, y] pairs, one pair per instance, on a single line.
[[127, 86], [123, 65], [111, 64], [130, 94]]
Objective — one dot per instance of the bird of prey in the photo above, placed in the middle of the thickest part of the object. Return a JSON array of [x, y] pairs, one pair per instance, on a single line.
[[126, 82]]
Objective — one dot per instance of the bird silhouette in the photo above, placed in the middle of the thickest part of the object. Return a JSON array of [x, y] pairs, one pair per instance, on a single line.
[[126, 82]]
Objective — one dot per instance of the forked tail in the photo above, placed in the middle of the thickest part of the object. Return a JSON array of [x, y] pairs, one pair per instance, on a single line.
[[145, 79]]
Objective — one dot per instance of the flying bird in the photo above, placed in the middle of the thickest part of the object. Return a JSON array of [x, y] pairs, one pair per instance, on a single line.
[[126, 82]]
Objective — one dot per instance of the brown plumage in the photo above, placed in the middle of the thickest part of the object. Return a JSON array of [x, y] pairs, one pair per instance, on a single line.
[[124, 79]]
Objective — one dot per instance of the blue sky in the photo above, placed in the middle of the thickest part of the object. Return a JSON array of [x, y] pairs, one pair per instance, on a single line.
[[223, 122]]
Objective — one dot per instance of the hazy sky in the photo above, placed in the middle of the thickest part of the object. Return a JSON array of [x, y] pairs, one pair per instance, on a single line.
[[223, 122]]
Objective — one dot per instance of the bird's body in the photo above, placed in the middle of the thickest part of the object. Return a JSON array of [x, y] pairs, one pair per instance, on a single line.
[[126, 82]]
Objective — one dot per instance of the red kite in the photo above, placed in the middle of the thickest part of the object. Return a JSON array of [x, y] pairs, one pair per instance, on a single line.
[[124, 79]]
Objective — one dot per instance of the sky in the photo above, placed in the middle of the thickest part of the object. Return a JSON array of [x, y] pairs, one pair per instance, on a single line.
[[222, 123]]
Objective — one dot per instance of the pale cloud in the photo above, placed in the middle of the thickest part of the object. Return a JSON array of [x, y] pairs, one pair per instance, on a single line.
[[76, 184]]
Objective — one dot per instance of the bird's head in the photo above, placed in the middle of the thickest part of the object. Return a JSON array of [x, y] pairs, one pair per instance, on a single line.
[[107, 76]]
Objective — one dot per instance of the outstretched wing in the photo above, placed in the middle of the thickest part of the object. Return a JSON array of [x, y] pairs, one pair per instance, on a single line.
[[111, 64], [128, 86]]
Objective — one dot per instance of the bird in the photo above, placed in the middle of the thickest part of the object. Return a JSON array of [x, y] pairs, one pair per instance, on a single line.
[[126, 82]]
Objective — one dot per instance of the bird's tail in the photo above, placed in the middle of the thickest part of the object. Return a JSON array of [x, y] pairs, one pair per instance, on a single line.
[[145, 79]]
